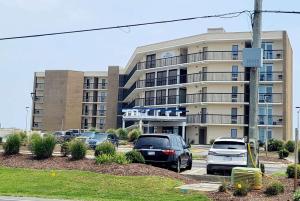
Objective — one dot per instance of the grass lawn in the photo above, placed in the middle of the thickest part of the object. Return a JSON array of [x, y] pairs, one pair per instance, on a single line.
[[82, 185]]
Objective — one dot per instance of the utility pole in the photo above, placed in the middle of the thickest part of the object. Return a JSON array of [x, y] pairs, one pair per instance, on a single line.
[[253, 106]]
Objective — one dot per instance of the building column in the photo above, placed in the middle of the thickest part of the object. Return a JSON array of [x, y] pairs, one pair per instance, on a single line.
[[183, 130]]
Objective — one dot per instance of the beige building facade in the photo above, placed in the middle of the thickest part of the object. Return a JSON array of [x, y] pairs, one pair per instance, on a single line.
[[200, 79]]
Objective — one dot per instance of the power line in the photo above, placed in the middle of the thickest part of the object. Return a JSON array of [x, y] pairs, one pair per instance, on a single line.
[[224, 15]]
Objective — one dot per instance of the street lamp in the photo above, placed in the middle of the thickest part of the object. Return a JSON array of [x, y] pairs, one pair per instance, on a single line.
[[27, 110], [296, 150]]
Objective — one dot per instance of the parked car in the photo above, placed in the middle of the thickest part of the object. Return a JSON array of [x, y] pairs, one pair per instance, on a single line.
[[87, 135], [76, 132], [62, 136], [165, 150], [102, 137], [226, 153]]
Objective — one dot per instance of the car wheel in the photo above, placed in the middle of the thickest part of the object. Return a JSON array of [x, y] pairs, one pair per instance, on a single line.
[[189, 164], [209, 171], [178, 165]]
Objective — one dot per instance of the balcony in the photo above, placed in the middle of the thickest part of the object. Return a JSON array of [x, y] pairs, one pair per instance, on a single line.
[[39, 99], [208, 77], [94, 113], [204, 56], [215, 119], [203, 98], [270, 120], [94, 99], [38, 112], [270, 98], [93, 86]]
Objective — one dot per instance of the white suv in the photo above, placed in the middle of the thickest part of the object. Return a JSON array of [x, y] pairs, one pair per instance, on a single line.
[[226, 153]]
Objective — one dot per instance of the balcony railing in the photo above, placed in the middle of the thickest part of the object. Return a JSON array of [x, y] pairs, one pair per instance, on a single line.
[[100, 99], [95, 86], [207, 76], [94, 112], [202, 56], [204, 98], [271, 120], [270, 98], [38, 112], [39, 99]]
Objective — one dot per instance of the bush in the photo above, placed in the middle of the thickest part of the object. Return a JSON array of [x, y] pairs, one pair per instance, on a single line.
[[134, 157], [23, 137], [261, 143], [275, 145], [122, 133], [262, 168], [223, 187], [111, 131], [107, 158], [12, 144], [274, 189], [211, 141], [241, 189], [133, 135], [64, 149], [296, 196], [283, 153], [105, 148], [290, 171], [77, 149], [0, 140], [290, 146], [42, 147]]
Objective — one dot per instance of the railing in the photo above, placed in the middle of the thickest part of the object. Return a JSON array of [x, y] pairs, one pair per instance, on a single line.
[[38, 112], [270, 98], [40, 86], [94, 112], [204, 98], [202, 56], [215, 119], [100, 99], [97, 86], [270, 120], [207, 76], [39, 99]]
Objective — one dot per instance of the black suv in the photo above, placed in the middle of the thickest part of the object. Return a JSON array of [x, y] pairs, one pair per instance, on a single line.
[[166, 150]]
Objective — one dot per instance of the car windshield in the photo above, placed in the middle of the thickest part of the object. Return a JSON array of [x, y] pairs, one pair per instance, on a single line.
[[229, 145], [100, 137], [88, 134], [153, 142]]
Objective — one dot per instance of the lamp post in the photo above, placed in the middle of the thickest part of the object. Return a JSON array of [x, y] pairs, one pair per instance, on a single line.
[[27, 110], [296, 150]]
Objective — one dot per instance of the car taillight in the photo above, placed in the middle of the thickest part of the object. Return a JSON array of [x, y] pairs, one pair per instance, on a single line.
[[169, 152], [212, 153]]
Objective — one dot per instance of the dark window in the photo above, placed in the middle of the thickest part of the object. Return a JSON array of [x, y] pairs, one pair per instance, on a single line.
[[234, 94], [172, 79], [229, 145], [152, 142], [233, 115], [234, 73], [150, 61], [172, 96], [234, 133], [161, 78], [235, 52], [160, 97], [150, 79], [149, 97]]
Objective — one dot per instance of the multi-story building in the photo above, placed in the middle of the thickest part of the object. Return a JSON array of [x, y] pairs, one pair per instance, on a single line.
[[197, 87], [69, 99]]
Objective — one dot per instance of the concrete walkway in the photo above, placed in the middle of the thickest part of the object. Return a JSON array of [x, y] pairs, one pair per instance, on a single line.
[[9, 198], [203, 187]]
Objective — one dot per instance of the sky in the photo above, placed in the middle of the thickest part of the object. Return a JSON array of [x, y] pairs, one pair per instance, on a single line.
[[92, 51]]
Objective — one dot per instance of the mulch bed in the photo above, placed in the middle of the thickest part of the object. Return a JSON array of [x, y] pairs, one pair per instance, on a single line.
[[63, 163], [258, 195], [273, 159]]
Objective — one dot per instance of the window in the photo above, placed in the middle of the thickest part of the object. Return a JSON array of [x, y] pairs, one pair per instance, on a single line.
[[149, 97], [150, 79], [205, 53], [102, 97], [235, 52], [265, 93], [172, 79], [172, 96], [161, 78], [268, 50], [265, 73], [150, 61], [160, 97], [86, 111], [234, 133], [88, 83], [86, 98], [234, 73], [204, 73], [101, 123], [234, 115], [103, 84], [234, 94], [264, 115]]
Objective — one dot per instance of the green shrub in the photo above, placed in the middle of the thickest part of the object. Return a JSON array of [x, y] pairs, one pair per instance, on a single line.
[[105, 148], [290, 146], [123, 142], [223, 187], [64, 149], [111, 131], [12, 144], [107, 158], [42, 147], [274, 189], [261, 143], [122, 133], [1, 140], [133, 135], [77, 149], [134, 157], [296, 196], [211, 141], [262, 168], [241, 189], [290, 171], [275, 145], [23, 137], [283, 153]]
